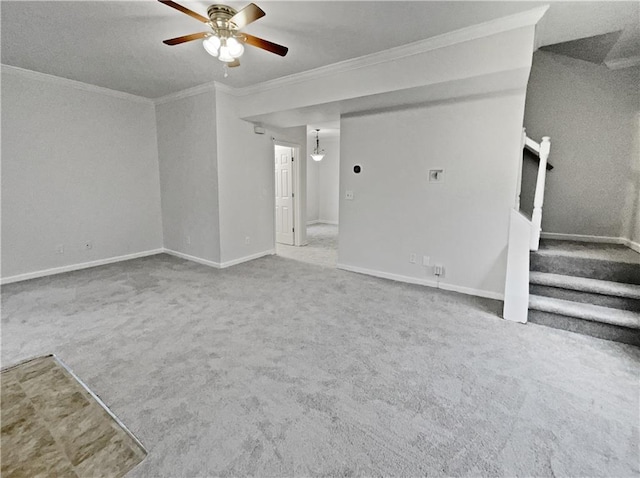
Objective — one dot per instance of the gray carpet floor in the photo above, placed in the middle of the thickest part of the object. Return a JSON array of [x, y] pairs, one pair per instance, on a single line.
[[321, 250], [280, 368]]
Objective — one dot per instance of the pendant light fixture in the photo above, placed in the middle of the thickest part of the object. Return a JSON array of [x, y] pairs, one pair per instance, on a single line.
[[318, 153]]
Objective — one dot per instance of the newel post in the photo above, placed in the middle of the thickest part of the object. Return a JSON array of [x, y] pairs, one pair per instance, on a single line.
[[538, 200]]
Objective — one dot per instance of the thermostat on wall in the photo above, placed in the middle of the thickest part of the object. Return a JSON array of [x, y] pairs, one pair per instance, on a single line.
[[436, 175]]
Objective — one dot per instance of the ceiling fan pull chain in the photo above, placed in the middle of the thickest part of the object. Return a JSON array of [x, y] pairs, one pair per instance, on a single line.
[[225, 69]]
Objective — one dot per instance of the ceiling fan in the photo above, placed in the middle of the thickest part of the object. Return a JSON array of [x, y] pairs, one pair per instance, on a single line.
[[225, 41]]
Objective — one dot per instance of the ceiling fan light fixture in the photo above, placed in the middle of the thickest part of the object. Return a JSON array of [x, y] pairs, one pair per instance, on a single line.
[[225, 55], [236, 49], [212, 45], [225, 41]]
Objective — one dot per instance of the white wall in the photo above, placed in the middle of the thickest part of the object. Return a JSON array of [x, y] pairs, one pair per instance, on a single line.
[[77, 165], [329, 181], [245, 200], [189, 175], [591, 114], [246, 178], [96, 173], [313, 183], [633, 198], [323, 180], [461, 223]]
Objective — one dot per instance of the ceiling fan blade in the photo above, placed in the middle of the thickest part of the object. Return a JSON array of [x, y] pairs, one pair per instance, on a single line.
[[265, 44], [248, 14], [234, 63], [185, 38], [182, 9]]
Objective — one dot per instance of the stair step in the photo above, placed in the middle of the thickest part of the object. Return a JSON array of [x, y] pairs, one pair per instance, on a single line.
[[588, 288], [585, 327], [607, 262], [624, 272], [593, 313], [589, 250], [584, 284], [616, 295]]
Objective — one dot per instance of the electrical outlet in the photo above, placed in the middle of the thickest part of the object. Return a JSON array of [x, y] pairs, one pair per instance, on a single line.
[[412, 258], [348, 195], [426, 261], [88, 245], [438, 270], [60, 249], [247, 240]]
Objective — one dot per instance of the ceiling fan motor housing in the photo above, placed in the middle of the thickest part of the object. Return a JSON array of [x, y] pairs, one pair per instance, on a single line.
[[220, 15]]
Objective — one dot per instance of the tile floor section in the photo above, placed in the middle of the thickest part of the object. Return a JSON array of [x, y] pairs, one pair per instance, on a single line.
[[52, 426]]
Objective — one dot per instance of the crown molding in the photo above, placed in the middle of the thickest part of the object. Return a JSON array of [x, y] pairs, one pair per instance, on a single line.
[[473, 32], [196, 90], [78, 85], [621, 63], [178, 95], [224, 88]]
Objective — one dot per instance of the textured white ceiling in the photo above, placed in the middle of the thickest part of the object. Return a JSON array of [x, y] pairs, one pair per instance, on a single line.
[[118, 45], [328, 130]]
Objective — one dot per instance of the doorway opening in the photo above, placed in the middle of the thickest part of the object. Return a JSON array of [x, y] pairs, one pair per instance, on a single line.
[[320, 189], [321, 248]]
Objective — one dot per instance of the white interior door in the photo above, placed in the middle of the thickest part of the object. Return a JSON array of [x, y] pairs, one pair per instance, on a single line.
[[284, 195]]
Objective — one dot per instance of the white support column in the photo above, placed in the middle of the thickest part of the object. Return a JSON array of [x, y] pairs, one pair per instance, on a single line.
[[516, 289], [536, 220]]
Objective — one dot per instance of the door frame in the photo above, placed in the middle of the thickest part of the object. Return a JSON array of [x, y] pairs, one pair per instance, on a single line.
[[295, 181]]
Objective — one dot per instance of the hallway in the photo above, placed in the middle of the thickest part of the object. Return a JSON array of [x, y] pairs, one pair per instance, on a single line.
[[321, 250]]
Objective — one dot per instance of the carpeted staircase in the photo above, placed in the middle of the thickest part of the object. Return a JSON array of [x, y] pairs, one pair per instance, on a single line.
[[588, 288]]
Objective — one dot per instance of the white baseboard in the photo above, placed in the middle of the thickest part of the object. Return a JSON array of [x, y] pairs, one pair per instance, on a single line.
[[111, 260], [251, 257], [388, 275], [321, 221], [220, 265], [188, 257], [487, 294], [633, 245], [425, 282], [77, 267], [583, 238], [597, 239]]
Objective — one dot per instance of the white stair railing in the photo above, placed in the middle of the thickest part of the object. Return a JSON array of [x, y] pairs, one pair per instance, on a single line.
[[538, 199], [519, 184], [524, 235]]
